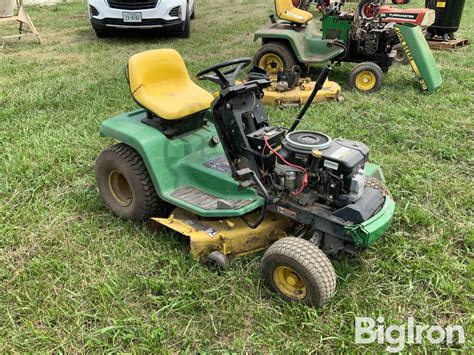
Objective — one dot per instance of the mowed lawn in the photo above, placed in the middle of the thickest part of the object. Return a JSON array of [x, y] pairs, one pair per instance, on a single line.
[[75, 278]]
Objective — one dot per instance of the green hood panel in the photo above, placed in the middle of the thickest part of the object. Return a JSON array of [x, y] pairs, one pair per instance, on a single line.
[[420, 56], [179, 163]]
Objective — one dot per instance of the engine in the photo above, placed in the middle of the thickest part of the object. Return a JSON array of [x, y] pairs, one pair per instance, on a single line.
[[310, 167], [372, 39]]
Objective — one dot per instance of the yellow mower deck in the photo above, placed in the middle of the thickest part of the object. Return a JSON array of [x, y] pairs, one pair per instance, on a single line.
[[331, 91], [229, 236]]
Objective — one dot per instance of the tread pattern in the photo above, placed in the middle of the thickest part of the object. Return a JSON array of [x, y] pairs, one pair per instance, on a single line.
[[152, 205], [312, 259], [376, 184]]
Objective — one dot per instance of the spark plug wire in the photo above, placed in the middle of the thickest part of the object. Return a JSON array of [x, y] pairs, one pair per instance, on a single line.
[[304, 182]]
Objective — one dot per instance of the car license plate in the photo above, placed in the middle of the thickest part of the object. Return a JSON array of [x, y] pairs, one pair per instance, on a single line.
[[132, 16]]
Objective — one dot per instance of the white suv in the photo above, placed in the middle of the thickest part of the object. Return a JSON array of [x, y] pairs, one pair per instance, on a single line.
[[173, 15]]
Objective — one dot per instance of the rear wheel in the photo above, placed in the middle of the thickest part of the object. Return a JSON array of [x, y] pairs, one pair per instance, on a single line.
[[101, 33], [398, 54], [366, 77], [185, 33], [299, 271], [301, 4], [368, 9], [193, 14], [274, 57], [125, 185]]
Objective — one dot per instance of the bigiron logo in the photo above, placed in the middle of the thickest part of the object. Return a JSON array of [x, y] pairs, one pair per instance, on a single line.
[[368, 331]]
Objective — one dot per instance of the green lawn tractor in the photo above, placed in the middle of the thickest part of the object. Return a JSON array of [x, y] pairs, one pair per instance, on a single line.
[[215, 170], [367, 35]]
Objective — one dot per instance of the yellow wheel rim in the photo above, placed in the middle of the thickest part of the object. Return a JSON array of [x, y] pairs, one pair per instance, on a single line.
[[289, 282], [272, 63], [365, 80], [120, 188]]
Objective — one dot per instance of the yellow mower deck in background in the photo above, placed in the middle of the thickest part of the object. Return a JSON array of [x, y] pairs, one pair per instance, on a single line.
[[274, 95]]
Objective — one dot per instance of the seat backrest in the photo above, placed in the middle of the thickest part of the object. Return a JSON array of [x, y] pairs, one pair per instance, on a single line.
[[287, 11], [155, 66], [283, 5]]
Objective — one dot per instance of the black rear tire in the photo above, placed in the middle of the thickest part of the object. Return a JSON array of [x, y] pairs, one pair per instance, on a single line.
[[193, 14], [186, 32], [125, 185], [301, 4], [274, 57], [399, 55], [299, 271], [101, 33]]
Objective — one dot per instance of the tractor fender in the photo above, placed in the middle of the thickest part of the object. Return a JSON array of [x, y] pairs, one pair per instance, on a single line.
[[306, 44], [179, 162], [159, 153], [287, 36]]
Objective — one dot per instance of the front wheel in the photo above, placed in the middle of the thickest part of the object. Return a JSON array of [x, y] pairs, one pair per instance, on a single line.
[[366, 77], [299, 271], [275, 57], [125, 185]]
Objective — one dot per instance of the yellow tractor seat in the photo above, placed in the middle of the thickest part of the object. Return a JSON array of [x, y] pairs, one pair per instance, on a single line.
[[286, 11], [160, 83]]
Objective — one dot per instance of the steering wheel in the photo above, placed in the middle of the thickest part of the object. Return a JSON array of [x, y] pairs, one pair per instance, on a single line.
[[224, 78]]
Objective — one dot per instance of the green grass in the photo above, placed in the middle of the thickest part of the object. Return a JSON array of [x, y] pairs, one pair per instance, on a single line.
[[74, 278]]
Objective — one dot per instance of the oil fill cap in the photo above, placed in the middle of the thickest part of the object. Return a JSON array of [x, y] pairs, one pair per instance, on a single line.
[[316, 153]]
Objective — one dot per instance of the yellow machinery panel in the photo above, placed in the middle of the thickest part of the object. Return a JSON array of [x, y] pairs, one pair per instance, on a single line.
[[230, 236], [331, 91]]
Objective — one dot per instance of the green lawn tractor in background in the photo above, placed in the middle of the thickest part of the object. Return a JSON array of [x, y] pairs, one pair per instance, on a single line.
[[367, 34], [217, 171]]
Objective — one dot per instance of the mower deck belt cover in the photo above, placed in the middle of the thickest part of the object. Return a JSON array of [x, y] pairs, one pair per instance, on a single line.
[[420, 56]]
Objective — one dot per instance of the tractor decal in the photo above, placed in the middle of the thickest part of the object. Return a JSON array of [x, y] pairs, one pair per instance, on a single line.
[[410, 58]]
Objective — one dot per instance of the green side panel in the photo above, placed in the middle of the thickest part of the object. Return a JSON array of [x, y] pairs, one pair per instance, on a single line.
[[375, 171], [420, 56], [334, 28], [306, 42], [179, 162], [366, 233]]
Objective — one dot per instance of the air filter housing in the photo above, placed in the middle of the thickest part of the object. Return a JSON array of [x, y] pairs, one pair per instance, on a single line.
[[342, 156]]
